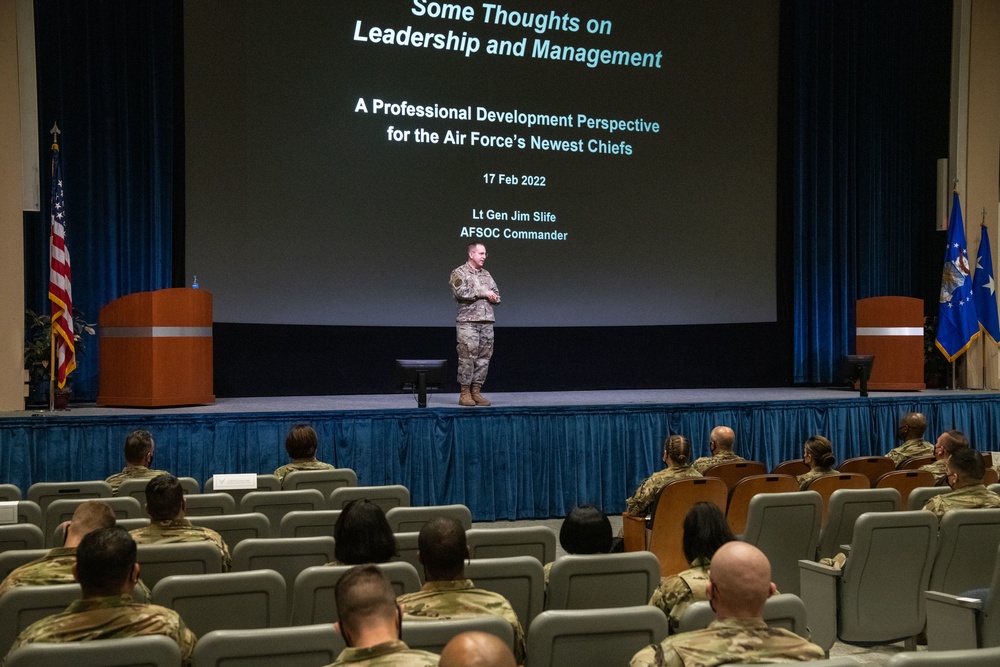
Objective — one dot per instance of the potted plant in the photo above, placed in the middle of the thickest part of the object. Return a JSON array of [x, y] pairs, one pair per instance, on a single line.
[[38, 352], [937, 370]]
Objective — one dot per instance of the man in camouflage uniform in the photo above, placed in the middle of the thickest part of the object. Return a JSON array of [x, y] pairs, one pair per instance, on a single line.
[[945, 446], [720, 444], [740, 585], [301, 443], [165, 505], [448, 594], [476, 649], [107, 572], [911, 432], [139, 448], [476, 292], [370, 623], [965, 476]]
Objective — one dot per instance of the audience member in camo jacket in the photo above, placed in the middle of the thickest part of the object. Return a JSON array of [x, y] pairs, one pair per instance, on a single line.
[[911, 432], [817, 453], [720, 444], [139, 448], [965, 476], [945, 446], [301, 443]]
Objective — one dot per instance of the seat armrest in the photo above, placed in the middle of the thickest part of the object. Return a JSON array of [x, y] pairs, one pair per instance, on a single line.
[[633, 532], [818, 568], [819, 589], [951, 621]]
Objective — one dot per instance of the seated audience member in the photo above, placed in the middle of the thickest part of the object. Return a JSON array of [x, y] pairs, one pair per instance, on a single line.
[[720, 444], [139, 448], [362, 535], [705, 530], [301, 443], [677, 457], [965, 476], [370, 622], [586, 530], [477, 649], [448, 594], [911, 432], [106, 569], [817, 453], [945, 446], [165, 505], [739, 586]]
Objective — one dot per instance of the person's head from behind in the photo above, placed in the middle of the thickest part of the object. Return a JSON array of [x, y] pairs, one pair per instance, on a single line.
[[817, 452], [139, 448], [366, 604], [721, 440], [442, 549], [705, 530], [965, 467], [676, 450], [164, 497], [89, 516], [362, 534], [948, 442], [301, 442], [911, 426], [586, 530], [105, 563], [739, 581], [476, 649]]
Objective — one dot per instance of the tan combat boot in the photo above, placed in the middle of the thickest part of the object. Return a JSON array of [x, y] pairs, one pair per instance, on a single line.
[[465, 398], [477, 397]]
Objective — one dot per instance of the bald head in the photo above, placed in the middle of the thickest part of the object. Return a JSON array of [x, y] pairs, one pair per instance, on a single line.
[[89, 516], [912, 425], [739, 581], [477, 649], [722, 438]]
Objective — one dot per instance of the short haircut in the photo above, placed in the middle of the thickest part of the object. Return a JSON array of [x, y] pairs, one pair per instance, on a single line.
[[678, 448], [953, 440], [705, 530], [92, 515], [301, 442], [474, 244], [916, 422], [104, 561], [443, 549], [968, 464], [137, 445], [164, 497], [821, 450], [586, 530], [362, 594], [362, 534]]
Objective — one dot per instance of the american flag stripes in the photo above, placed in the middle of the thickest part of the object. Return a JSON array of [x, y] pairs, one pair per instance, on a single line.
[[60, 284]]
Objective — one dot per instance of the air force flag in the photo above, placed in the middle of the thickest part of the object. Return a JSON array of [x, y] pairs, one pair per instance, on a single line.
[[957, 323], [984, 290]]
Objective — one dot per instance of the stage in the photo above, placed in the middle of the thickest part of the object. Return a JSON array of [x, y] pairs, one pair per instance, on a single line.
[[530, 455]]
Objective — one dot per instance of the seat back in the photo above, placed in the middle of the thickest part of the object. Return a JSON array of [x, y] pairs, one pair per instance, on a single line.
[[432, 634], [287, 556], [131, 524], [308, 524], [731, 472], [904, 481], [747, 488], [919, 497], [301, 646], [871, 467], [780, 611], [57, 536], [264, 483], [917, 462], [975, 657], [16, 536], [539, 542], [324, 481], [676, 499], [276, 504], [9, 493], [412, 519], [827, 484], [386, 497], [785, 526], [28, 511], [967, 546], [157, 561], [795, 467], [136, 488], [520, 579], [208, 504], [234, 528], [406, 551], [312, 594], [11, 560], [988, 620], [144, 651], [575, 637], [225, 601], [23, 605], [44, 493], [883, 582], [846, 505], [602, 580], [61, 510]]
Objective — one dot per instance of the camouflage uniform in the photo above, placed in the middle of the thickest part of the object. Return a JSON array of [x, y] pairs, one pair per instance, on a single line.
[[301, 464], [387, 654], [647, 493], [910, 449], [112, 617], [171, 531], [939, 469], [131, 472], [474, 322], [676, 592], [974, 496], [742, 640], [55, 567], [807, 477], [706, 462], [457, 599]]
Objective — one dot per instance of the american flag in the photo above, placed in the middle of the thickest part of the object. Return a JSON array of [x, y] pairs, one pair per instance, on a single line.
[[60, 284]]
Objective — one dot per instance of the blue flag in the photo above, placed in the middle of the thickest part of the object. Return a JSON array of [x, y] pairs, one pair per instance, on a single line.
[[984, 290], [957, 323]]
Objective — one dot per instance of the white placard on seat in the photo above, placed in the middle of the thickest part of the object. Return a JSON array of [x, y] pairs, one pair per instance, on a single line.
[[234, 481], [8, 511]]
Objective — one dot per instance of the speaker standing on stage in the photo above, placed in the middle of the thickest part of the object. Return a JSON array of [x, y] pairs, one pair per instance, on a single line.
[[476, 293]]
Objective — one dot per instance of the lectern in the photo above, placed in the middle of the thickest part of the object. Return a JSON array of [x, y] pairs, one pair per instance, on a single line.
[[892, 329], [156, 349]]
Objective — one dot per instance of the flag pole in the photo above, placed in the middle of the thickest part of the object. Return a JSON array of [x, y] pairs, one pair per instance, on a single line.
[[52, 371], [984, 336]]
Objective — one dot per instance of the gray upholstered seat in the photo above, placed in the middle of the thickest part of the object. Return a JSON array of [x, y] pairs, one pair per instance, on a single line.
[[16, 536], [299, 646], [575, 637], [62, 510], [146, 651], [919, 497], [955, 622], [312, 595], [225, 601], [317, 523], [967, 547], [287, 556], [520, 579], [846, 505], [780, 611], [785, 526], [23, 605], [412, 519], [538, 542], [11, 560], [276, 504], [28, 511], [157, 561], [9, 492], [44, 493], [234, 528], [136, 488], [386, 497], [324, 481], [208, 504], [602, 580], [432, 634], [959, 658], [407, 551]]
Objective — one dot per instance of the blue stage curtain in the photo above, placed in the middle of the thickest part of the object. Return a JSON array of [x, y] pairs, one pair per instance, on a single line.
[[106, 75], [869, 87]]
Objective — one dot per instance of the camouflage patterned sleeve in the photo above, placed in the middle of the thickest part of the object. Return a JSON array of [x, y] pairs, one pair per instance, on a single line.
[[462, 289], [937, 506], [671, 592], [227, 559], [643, 498], [897, 457], [654, 655]]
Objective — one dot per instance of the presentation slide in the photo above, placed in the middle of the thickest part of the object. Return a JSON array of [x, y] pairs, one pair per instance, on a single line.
[[617, 159]]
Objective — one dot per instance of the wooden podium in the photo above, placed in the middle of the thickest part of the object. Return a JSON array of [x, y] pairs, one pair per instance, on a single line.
[[892, 328], [156, 349]]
